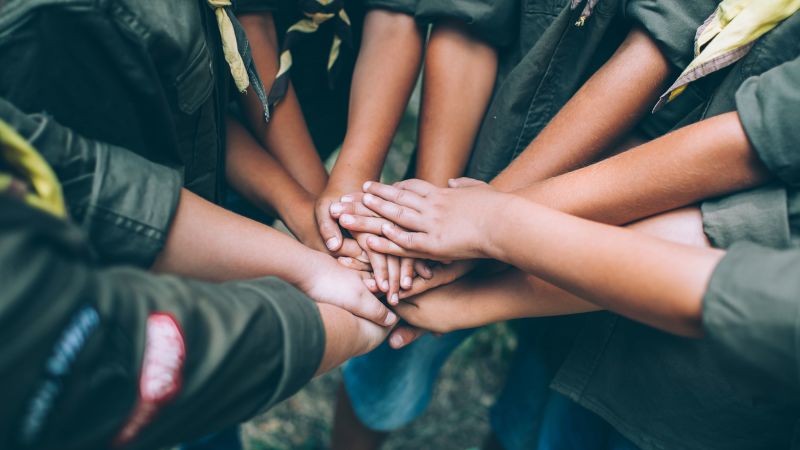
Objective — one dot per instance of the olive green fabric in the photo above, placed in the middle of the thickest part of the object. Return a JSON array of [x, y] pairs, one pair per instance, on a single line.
[[661, 391], [493, 21], [553, 58], [105, 188], [148, 78], [751, 311], [245, 345]]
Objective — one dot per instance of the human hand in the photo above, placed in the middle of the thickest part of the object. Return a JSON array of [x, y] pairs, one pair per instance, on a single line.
[[329, 282], [423, 221], [300, 220], [391, 273]]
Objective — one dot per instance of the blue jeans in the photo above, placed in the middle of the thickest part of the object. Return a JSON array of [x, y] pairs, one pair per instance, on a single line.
[[390, 388]]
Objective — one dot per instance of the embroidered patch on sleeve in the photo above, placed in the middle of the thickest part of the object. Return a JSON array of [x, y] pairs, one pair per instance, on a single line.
[[160, 377], [56, 369]]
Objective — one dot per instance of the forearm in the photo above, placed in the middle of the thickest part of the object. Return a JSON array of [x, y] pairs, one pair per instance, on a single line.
[[385, 73], [286, 135], [344, 337], [707, 159], [257, 176], [208, 242], [599, 114], [459, 75], [650, 280]]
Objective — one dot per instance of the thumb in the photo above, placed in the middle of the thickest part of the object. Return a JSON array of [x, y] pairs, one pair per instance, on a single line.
[[464, 182]]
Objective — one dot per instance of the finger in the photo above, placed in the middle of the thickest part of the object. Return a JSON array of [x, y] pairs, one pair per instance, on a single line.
[[417, 242], [395, 195], [369, 307], [352, 197], [369, 282], [393, 270], [464, 182], [382, 245], [404, 335], [352, 208], [420, 187], [379, 269], [328, 228], [407, 272], [362, 224], [423, 269], [352, 263], [350, 248], [401, 215]]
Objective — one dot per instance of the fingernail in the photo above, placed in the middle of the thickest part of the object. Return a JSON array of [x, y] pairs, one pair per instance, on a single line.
[[386, 228], [390, 318], [337, 208], [367, 185], [407, 282], [385, 285], [332, 243], [395, 299], [372, 241], [346, 260], [363, 257], [347, 219], [368, 198], [346, 199], [371, 284], [396, 340]]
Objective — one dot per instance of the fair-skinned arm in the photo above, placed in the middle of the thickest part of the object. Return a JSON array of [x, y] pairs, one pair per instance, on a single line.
[[386, 70], [211, 243], [652, 280]]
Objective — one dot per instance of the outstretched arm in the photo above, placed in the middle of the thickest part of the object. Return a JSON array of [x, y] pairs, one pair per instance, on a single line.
[[623, 90], [651, 280], [211, 243]]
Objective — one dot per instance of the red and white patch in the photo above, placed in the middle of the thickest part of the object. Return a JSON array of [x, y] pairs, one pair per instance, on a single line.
[[160, 378]]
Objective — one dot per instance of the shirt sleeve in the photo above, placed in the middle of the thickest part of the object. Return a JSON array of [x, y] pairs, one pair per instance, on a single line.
[[751, 308], [672, 24], [768, 106], [124, 202], [254, 6], [118, 357]]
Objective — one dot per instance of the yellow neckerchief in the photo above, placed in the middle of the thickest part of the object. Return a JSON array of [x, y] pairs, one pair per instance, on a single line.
[[18, 153], [728, 35], [230, 47], [315, 12]]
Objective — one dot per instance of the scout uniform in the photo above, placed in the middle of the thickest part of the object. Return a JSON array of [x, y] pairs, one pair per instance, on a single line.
[[491, 21], [153, 79], [99, 356]]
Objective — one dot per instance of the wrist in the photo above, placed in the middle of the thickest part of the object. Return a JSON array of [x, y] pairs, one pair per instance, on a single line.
[[498, 232]]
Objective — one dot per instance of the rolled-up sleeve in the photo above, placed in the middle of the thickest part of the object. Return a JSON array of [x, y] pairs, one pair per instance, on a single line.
[[121, 355], [752, 309], [255, 6], [124, 202], [769, 107]]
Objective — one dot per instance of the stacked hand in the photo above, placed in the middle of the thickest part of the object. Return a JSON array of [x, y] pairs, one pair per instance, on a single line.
[[415, 219]]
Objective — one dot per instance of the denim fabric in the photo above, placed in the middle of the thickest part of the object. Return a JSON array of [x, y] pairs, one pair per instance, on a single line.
[[389, 388]]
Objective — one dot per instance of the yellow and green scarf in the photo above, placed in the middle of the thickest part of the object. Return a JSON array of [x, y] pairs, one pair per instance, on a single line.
[[33, 180], [727, 36]]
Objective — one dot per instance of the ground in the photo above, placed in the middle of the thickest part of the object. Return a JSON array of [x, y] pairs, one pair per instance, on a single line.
[[456, 419]]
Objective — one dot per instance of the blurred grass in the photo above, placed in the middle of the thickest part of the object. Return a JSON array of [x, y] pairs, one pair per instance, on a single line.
[[458, 415]]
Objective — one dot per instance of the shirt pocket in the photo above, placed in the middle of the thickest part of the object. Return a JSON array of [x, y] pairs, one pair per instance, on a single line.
[[550, 7], [195, 84]]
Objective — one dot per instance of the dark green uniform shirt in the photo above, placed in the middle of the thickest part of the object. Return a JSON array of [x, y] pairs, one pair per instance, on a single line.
[[662, 391], [99, 356]]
